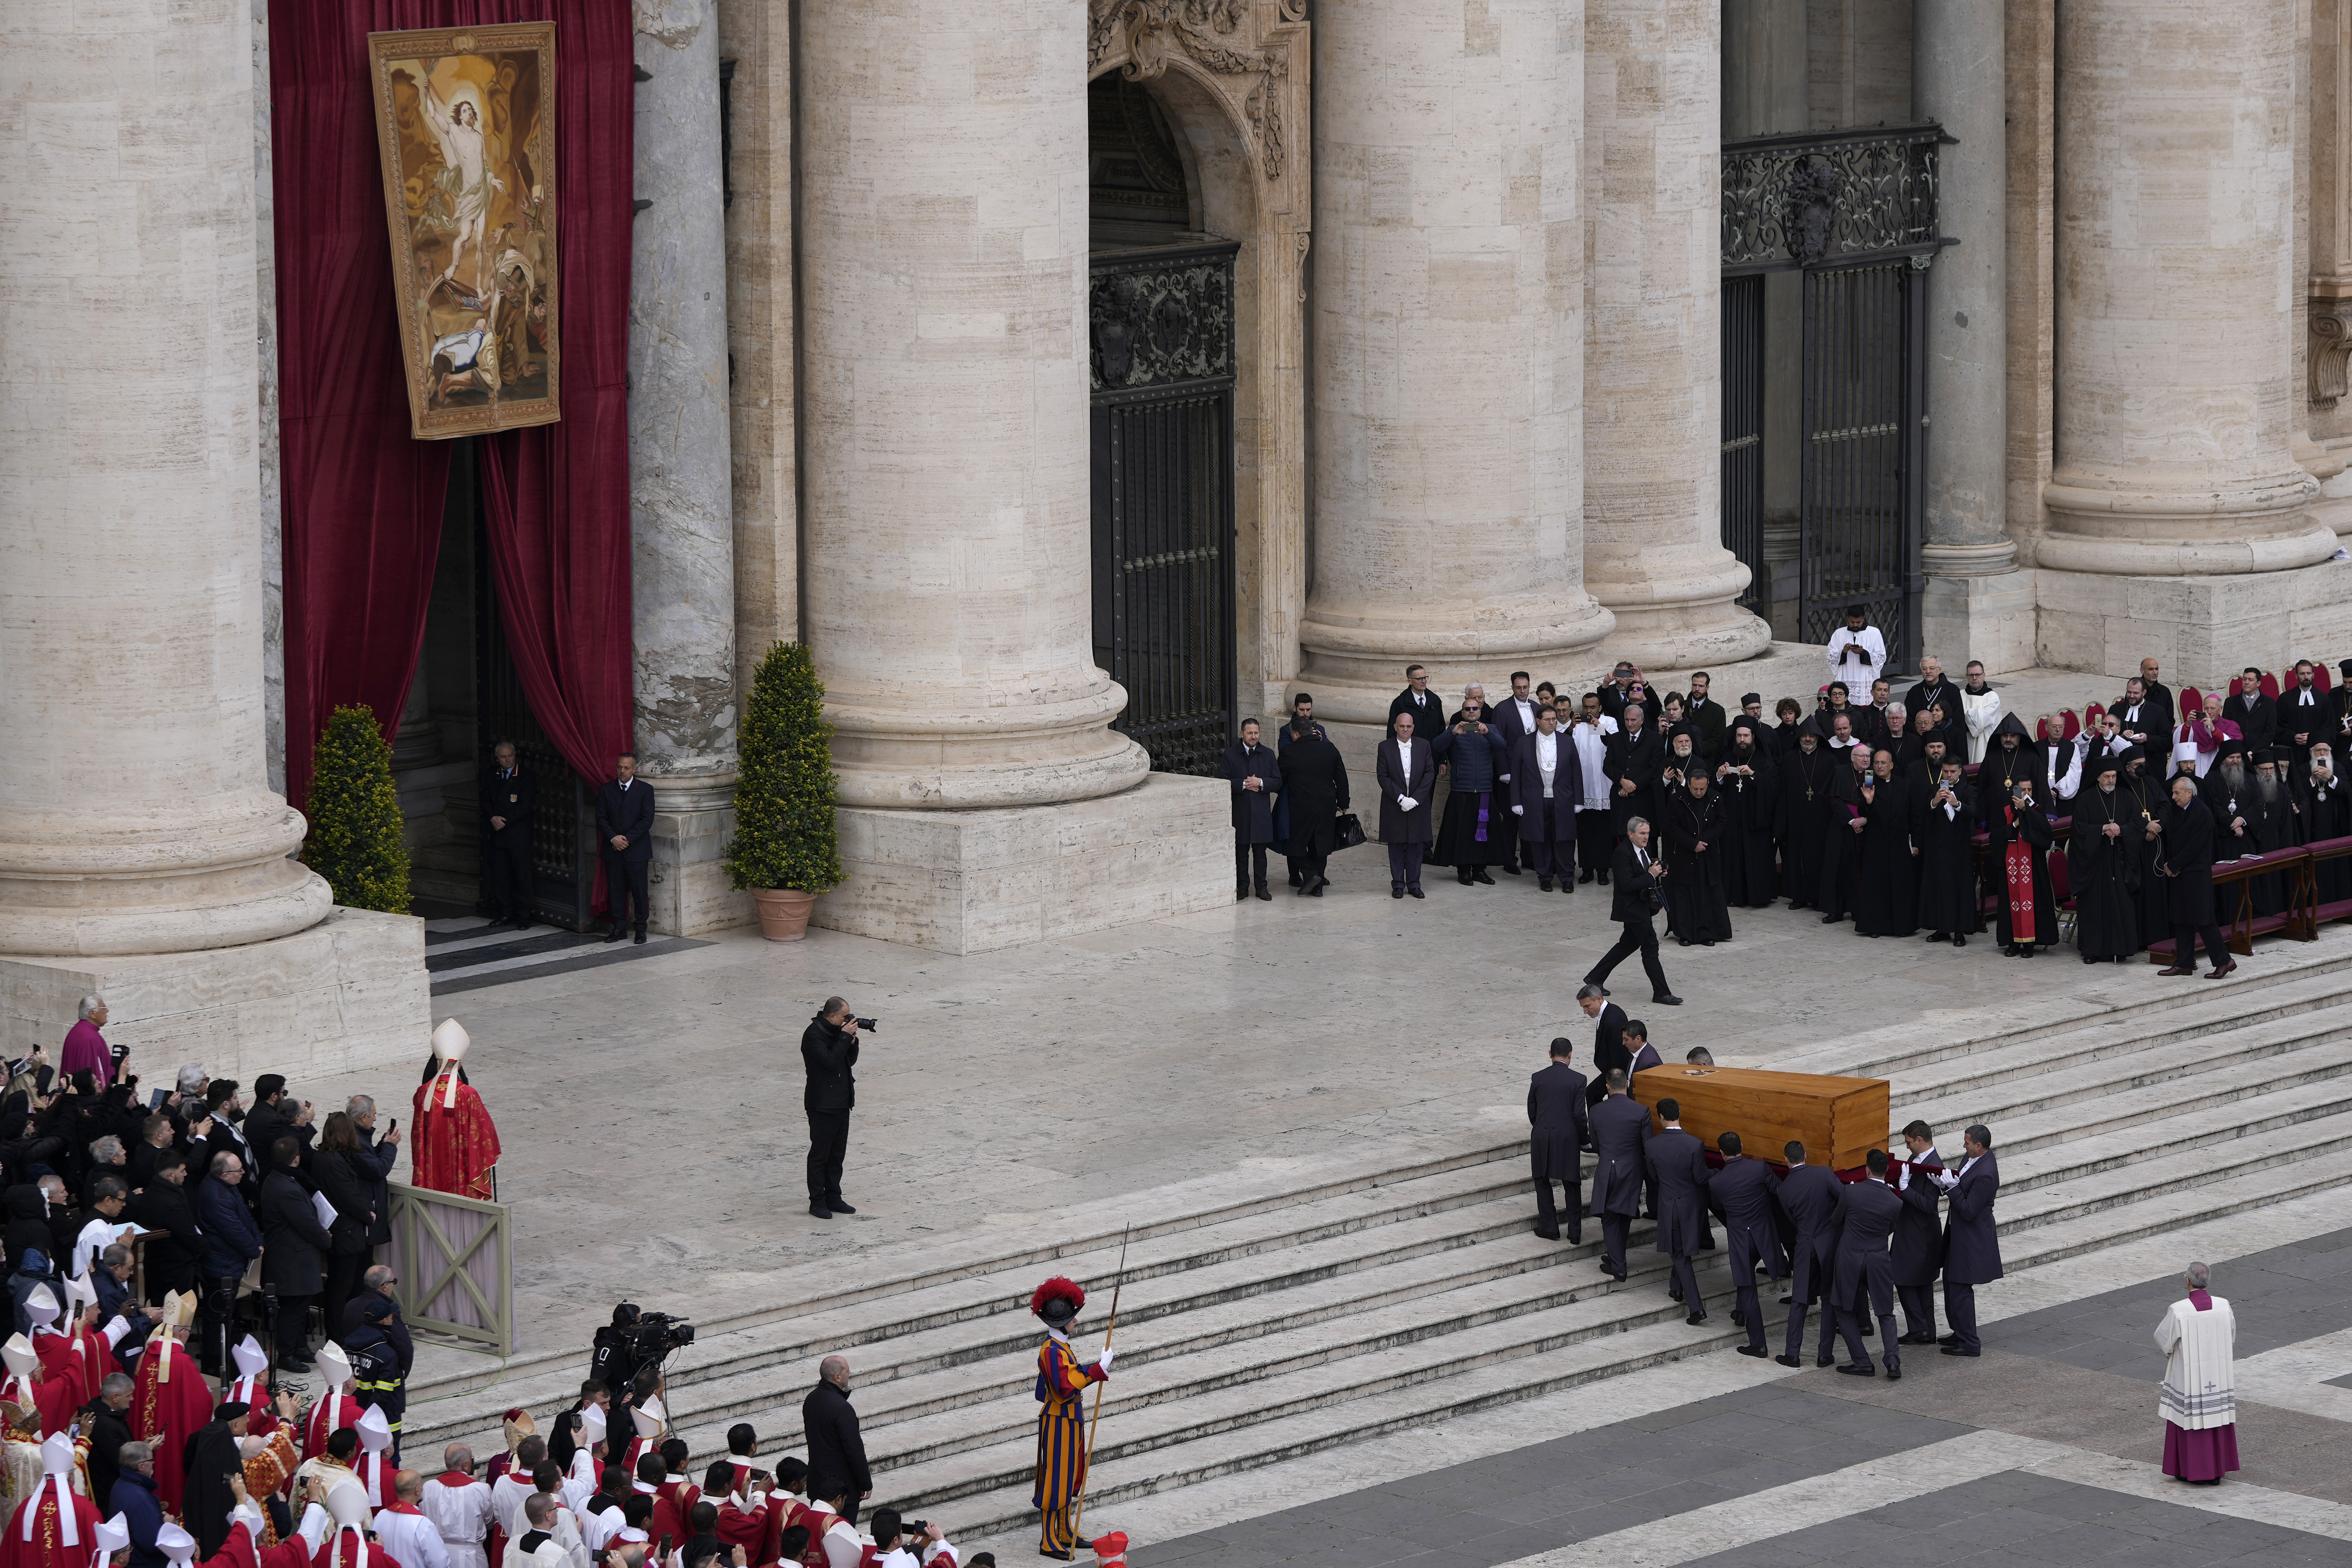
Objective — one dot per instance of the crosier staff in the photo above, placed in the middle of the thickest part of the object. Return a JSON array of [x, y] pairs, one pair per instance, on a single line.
[[1094, 1424]]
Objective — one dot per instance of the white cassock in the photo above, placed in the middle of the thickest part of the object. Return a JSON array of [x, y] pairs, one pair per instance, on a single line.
[[598, 1528], [412, 1539], [564, 1532], [507, 1495], [1857, 658], [462, 1515]]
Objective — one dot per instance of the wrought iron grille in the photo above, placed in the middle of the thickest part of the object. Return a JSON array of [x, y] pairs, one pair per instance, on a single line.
[[1812, 199], [1858, 538], [1162, 356], [1743, 432]]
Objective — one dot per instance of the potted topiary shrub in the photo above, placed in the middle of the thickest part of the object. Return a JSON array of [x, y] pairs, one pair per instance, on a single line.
[[783, 849], [356, 841]]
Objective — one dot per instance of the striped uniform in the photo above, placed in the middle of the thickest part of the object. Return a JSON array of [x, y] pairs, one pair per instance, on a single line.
[[1061, 1437]]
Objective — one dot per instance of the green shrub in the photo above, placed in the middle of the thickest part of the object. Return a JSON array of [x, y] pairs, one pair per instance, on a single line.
[[785, 787], [355, 840]]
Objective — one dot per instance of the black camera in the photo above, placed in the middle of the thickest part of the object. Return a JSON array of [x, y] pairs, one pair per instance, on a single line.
[[635, 1340], [655, 1334], [867, 1024]]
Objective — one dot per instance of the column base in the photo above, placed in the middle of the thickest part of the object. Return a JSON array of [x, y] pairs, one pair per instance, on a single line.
[[689, 892], [350, 993], [1989, 618], [2199, 628], [975, 881]]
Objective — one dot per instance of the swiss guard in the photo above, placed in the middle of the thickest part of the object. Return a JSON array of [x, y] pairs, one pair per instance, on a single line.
[[1062, 1420]]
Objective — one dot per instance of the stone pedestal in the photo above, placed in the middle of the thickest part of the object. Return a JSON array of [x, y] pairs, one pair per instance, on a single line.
[[2176, 149], [1654, 549], [944, 224], [348, 993], [687, 889], [2201, 629], [1449, 344]]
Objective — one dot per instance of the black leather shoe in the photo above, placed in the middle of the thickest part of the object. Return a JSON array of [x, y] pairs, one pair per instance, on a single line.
[[1948, 1339], [1858, 1369], [1414, 893], [1676, 1292], [819, 1210], [638, 939], [1241, 896], [1959, 941], [1922, 1338], [1512, 869], [1480, 877], [1758, 1352], [1314, 887], [1601, 878], [1961, 1349], [1543, 884], [1696, 1319], [1396, 892], [618, 932], [1894, 1372], [1824, 1361], [1265, 894], [1829, 919], [1666, 1001], [837, 1207], [1738, 1319], [1584, 875], [1547, 1235], [1788, 1360]]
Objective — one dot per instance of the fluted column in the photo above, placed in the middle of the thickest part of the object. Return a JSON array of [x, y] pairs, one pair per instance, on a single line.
[[1652, 358], [1449, 346], [944, 263], [136, 818], [2176, 222]]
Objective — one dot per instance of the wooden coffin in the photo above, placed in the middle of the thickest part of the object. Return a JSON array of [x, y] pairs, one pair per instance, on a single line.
[[1843, 1119]]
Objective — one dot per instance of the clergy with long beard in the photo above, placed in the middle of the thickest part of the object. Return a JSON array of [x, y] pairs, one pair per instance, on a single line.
[[2327, 815], [1947, 860], [1744, 781], [1694, 881], [2146, 805], [1802, 781], [2229, 792], [1886, 892], [2019, 836], [2012, 756], [2275, 821], [2103, 860], [1841, 840]]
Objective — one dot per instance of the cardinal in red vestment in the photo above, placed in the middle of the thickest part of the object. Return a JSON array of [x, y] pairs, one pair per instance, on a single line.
[[349, 1546], [51, 1398], [336, 1408], [169, 1400], [456, 1143], [56, 1527], [250, 1387]]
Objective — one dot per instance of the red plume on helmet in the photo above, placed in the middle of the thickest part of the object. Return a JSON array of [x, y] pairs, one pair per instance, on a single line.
[[1058, 1289]]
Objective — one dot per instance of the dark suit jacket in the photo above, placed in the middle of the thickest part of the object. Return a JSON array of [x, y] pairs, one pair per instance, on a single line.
[[1557, 1124], [1638, 758], [1538, 824], [1809, 1195], [1971, 1242], [294, 1245], [828, 1053], [836, 1451], [513, 798], [2259, 720], [1253, 808], [1919, 1233], [1609, 1041], [1741, 1193], [630, 812], [1867, 1211], [1428, 715], [1629, 896], [1399, 825], [1620, 1127], [1679, 1162]]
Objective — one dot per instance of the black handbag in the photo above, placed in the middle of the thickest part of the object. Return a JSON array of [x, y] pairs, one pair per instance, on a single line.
[[1350, 830]]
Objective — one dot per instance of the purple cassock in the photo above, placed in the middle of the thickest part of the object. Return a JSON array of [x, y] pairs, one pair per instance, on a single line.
[[85, 1051]]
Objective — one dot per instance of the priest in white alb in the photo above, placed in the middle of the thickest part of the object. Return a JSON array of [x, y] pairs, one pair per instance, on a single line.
[[1857, 654], [2199, 1400]]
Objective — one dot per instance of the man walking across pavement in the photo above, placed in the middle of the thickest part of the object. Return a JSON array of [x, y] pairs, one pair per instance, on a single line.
[[1741, 1193], [1866, 1280], [1633, 904]]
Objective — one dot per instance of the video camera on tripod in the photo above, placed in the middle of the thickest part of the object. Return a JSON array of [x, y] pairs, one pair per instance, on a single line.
[[635, 1341]]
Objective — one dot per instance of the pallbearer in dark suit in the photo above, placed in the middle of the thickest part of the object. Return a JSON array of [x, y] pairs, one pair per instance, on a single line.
[[1809, 1195], [624, 838], [1547, 784], [1256, 780], [1405, 767], [1972, 1241], [1918, 1253], [1621, 1130], [1556, 1141], [1609, 1049], [1867, 1211], [1679, 1161], [1742, 1193], [509, 798]]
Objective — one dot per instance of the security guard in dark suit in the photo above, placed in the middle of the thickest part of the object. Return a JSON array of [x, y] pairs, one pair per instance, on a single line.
[[1556, 1140], [509, 798], [625, 837], [1631, 904]]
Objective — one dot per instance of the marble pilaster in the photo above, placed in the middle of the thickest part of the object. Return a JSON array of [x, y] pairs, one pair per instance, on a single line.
[[681, 504], [1449, 344], [1653, 552]]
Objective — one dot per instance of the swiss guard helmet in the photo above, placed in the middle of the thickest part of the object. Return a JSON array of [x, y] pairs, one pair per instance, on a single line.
[[1058, 1301]]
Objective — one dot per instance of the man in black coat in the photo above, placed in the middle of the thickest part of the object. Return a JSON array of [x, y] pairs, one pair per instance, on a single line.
[[625, 839], [1514, 719], [1809, 1196], [275, 1113], [1634, 759], [1556, 1141], [107, 1421], [1972, 1239], [2256, 716], [1609, 1052], [293, 1256], [1679, 1162], [1543, 803], [1250, 769], [1315, 789], [162, 1205], [1918, 1252], [509, 797], [828, 1050], [1633, 901], [1620, 1133], [2186, 864], [1405, 769], [1867, 1211], [1742, 1195], [1427, 708], [837, 1452]]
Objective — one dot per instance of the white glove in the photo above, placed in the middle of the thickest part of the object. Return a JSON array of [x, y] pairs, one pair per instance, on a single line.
[[1507, 778], [1518, 811], [1103, 1360], [1407, 803]]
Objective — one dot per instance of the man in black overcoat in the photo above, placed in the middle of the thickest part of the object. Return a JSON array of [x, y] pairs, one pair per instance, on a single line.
[[1635, 755], [1315, 788], [1555, 1138], [624, 838], [1948, 858], [1404, 769], [1741, 1194], [1865, 1275], [1620, 1135], [1427, 708], [2186, 864], [1679, 1162], [1544, 804], [509, 798], [1250, 769], [1972, 1239], [1917, 1255], [1609, 1049], [829, 1056], [1809, 1196]]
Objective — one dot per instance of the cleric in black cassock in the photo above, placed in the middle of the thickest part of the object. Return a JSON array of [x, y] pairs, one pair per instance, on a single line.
[[2327, 814], [1801, 782], [1886, 893], [2018, 831], [2275, 821], [2149, 800], [1744, 781], [1843, 826], [2103, 857], [1948, 858], [1694, 883], [2185, 830], [1315, 788]]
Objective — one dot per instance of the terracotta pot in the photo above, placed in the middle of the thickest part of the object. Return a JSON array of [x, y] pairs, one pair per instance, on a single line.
[[783, 912]]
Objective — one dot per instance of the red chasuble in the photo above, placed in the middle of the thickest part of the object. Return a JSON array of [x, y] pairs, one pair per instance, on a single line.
[[455, 1145], [2017, 867], [169, 1404], [745, 1527], [330, 1415], [52, 1398], [48, 1548], [253, 1393], [239, 1552]]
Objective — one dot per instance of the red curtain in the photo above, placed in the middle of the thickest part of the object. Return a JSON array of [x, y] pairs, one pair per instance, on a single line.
[[363, 499]]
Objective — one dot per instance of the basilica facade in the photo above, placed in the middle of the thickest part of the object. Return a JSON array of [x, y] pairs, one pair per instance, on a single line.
[[1077, 377]]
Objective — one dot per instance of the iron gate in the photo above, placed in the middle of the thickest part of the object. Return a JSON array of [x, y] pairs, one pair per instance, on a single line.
[[1161, 322], [1854, 212]]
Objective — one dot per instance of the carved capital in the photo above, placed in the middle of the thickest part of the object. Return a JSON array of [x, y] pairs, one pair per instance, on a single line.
[[2330, 356], [1230, 39]]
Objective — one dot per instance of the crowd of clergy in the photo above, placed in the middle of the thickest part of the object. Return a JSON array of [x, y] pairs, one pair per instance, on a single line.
[[1903, 814]]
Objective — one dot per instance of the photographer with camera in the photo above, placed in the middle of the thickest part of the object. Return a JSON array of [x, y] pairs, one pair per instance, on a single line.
[[829, 1051]]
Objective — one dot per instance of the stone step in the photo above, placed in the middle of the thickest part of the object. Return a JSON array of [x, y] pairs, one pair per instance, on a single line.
[[2093, 1148], [2180, 1171]]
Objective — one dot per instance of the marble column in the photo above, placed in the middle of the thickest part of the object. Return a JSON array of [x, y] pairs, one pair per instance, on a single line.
[[1653, 338], [2176, 228], [681, 505], [945, 463], [1448, 339], [140, 848], [1977, 603]]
